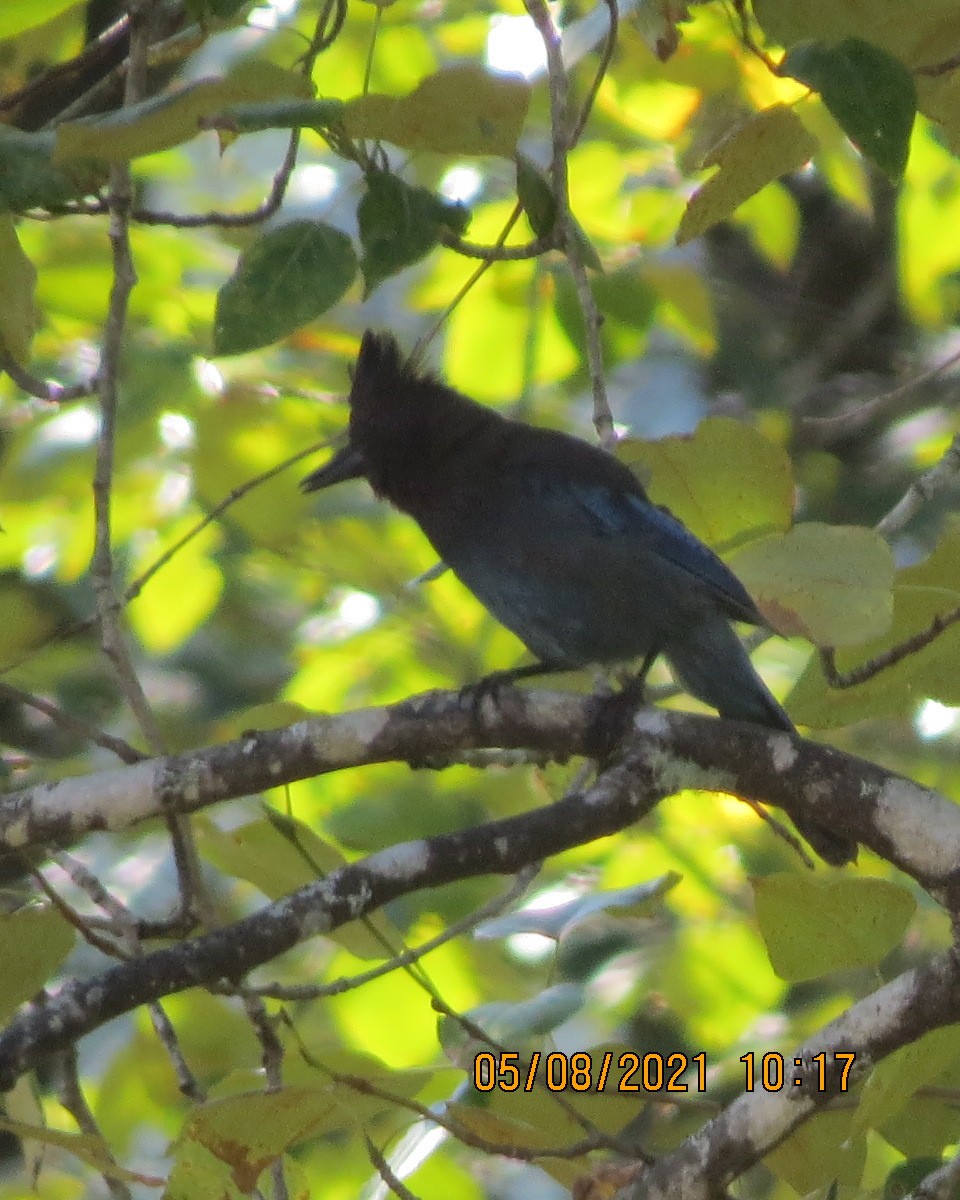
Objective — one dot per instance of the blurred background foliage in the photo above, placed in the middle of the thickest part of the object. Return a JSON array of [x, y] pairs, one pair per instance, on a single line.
[[790, 361]]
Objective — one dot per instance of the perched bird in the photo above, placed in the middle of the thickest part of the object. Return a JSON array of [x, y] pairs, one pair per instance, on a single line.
[[557, 538]]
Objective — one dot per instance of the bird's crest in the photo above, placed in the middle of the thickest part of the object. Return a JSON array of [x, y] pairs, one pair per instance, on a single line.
[[382, 374]]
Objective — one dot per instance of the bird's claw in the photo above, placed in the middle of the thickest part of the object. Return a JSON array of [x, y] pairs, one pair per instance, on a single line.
[[489, 687]]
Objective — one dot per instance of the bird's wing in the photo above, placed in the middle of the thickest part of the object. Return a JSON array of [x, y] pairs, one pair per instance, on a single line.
[[630, 515]]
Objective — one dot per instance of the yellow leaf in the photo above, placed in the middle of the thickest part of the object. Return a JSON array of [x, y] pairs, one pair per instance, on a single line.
[[160, 123], [19, 317], [831, 584], [458, 110], [754, 154]]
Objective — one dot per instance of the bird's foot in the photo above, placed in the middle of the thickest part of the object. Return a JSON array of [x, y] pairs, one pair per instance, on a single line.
[[615, 716], [490, 687]]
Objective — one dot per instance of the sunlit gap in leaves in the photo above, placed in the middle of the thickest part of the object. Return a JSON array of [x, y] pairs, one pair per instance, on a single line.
[[209, 377], [312, 183], [68, 430], [410, 1153], [176, 431], [271, 14], [40, 559], [350, 612], [461, 184], [536, 947], [934, 719], [513, 44]]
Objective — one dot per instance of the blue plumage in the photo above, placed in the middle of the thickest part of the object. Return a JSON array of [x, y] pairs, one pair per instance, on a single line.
[[557, 538]]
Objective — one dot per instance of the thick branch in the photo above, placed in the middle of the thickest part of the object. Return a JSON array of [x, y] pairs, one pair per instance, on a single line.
[[754, 1124], [911, 826], [617, 799]]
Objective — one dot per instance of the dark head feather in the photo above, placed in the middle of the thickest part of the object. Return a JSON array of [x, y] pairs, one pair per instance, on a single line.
[[404, 421]]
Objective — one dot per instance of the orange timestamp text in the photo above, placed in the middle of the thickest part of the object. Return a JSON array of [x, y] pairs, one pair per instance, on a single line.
[[586, 1072]]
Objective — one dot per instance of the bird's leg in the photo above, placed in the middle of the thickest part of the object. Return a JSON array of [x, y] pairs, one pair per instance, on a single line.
[[491, 685], [616, 712], [633, 692]]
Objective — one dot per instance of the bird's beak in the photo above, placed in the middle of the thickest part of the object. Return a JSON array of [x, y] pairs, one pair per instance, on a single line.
[[346, 464]]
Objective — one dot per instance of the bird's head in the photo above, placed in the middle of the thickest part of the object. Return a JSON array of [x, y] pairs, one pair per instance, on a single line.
[[400, 422]]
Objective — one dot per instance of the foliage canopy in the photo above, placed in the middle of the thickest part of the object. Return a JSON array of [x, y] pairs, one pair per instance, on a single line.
[[728, 228]]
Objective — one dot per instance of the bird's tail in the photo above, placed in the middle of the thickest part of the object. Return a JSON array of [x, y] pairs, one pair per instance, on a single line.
[[711, 663]]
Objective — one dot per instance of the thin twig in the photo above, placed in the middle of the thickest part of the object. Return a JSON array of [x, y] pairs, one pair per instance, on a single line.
[[70, 1094], [84, 927], [883, 405], [225, 220], [940, 68], [124, 927], [187, 1082], [606, 57], [91, 52], [308, 991], [120, 918], [484, 266], [386, 1173], [44, 389], [921, 491], [461, 1132], [498, 252], [747, 38], [781, 831], [562, 139], [74, 628], [271, 1056], [137, 586], [940, 476], [176, 47], [102, 569], [329, 23], [123, 750], [888, 658]]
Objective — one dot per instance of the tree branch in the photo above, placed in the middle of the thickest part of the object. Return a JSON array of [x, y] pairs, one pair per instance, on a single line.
[[667, 751], [756, 1122]]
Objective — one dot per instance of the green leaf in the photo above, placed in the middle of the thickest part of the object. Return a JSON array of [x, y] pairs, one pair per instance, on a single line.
[[872, 95], [458, 110], [29, 178], [165, 121], [554, 922], [399, 224], [536, 196], [27, 14], [818, 1152], [830, 584], [88, 1147], [181, 596], [920, 594], [728, 483], [248, 1132], [507, 1022], [752, 155], [279, 854], [906, 1177], [19, 317], [895, 1080], [33, 943], [815, 924], [288, 277]]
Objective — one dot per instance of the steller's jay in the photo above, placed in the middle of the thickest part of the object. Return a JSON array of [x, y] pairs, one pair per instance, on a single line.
[[557, 538]]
